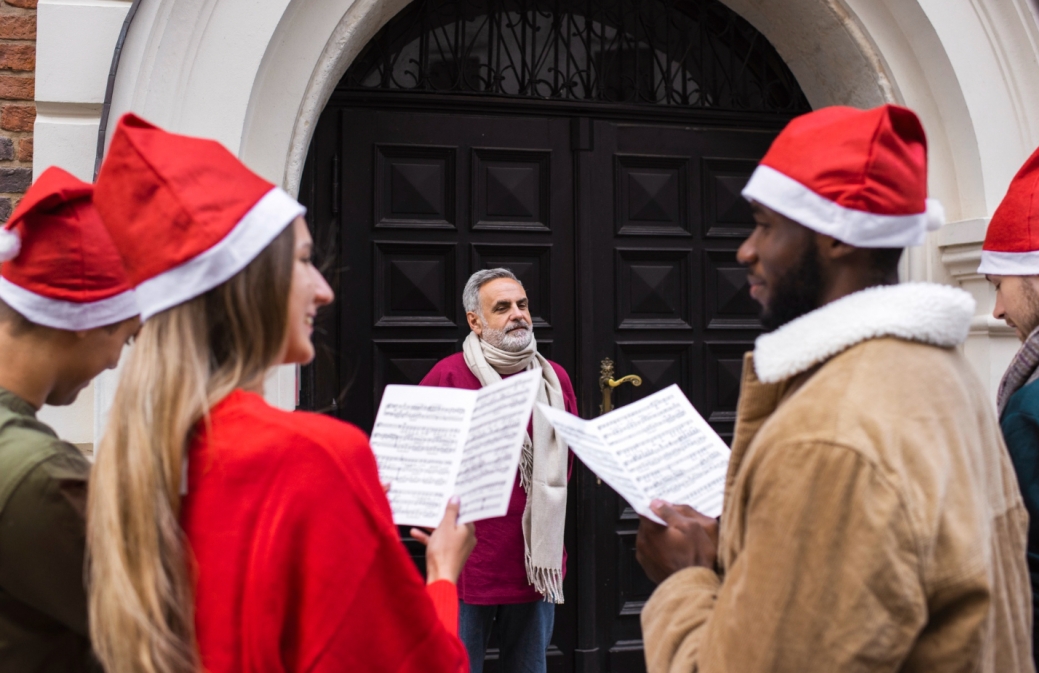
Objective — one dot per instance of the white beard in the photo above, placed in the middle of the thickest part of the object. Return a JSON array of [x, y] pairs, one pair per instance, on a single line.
[[514, 338]]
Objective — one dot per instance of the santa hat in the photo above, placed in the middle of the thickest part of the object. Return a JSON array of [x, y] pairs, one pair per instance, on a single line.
[[185, 213], [60, 268], [857, 175], [1011, 245]]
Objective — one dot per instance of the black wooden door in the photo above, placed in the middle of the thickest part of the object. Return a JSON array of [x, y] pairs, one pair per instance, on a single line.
[[624, 235], [423, 201], [660, 217]]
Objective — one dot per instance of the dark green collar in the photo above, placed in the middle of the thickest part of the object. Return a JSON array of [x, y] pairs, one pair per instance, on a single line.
[[16, 404]]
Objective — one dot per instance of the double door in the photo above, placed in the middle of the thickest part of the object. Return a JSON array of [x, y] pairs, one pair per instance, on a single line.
[[624, 236]]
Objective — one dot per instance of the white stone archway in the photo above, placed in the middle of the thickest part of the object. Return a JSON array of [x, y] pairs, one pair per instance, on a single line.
[[256, 76]]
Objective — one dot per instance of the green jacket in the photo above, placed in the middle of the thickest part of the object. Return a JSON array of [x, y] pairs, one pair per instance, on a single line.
[[43, 488], [1020, 425]]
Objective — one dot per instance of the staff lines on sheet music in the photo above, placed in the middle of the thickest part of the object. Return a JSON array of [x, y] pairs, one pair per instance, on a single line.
[[432, 442]]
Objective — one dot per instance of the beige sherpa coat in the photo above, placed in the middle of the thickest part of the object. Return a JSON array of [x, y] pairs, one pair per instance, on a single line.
[[872, 518]]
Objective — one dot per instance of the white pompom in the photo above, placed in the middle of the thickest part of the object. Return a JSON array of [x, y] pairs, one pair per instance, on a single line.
[[10, 244], [935, 214]]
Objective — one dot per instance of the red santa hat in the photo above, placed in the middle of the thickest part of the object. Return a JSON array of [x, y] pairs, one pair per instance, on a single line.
[[185, 213], [857, 175], [1011, 245], [60, 268]]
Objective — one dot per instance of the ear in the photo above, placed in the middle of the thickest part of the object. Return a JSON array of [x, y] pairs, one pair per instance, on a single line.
[[832, 249], [474, 323]]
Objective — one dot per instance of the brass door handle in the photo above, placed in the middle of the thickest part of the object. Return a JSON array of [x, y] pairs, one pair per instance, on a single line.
[[607, 383]]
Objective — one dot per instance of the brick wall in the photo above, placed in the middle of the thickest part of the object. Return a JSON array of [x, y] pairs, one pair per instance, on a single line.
[[17, 110]]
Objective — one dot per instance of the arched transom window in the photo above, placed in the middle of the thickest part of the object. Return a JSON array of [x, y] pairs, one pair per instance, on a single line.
[[690, 53]]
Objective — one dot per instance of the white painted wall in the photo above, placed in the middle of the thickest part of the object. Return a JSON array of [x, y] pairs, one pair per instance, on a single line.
[[256, 75], [74, 44]]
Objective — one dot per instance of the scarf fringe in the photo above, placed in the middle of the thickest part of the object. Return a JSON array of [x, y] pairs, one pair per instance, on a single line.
[[547, 581]]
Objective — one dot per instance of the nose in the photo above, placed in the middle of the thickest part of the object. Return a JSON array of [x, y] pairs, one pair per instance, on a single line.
[[999, 312], [323, 294], [517, 314], [747, 253]]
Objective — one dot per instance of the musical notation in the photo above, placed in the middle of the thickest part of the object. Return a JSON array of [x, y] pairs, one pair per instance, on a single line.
[[432, 443], [658, 447]]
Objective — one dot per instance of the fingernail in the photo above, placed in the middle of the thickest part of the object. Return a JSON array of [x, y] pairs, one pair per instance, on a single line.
[[657, 502], [455, 500]]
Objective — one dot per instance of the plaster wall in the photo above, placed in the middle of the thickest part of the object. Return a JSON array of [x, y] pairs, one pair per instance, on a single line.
[[257, 75]]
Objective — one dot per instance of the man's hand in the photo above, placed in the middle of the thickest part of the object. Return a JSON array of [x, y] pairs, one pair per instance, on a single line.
[[689, 539]]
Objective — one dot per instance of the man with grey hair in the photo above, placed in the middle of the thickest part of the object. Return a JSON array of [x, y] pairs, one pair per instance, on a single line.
[[515, 575]]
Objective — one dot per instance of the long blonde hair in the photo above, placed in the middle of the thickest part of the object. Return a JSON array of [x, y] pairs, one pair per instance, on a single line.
[[184, 361]]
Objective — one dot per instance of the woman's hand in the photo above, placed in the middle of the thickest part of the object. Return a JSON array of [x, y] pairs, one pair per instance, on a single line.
[[448, 547]]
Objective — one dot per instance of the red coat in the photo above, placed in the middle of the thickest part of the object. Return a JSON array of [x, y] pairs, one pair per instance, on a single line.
[[299, 565]]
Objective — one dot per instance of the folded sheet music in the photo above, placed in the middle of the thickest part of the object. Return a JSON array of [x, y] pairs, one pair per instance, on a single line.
[[432, 443], [658, 447]]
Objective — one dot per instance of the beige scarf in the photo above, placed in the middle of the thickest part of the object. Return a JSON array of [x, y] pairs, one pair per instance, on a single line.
[[543, 463]]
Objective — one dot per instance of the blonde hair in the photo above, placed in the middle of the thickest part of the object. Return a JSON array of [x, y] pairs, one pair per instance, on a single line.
[[184, 361]]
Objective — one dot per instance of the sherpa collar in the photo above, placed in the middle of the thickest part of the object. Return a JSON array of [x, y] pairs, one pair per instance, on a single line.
[[934, 314]]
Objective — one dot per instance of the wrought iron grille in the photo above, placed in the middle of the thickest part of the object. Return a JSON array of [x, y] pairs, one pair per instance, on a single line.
[[694, 53]]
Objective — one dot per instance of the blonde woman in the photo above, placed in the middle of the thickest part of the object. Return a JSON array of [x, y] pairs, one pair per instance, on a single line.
[[224, 534]]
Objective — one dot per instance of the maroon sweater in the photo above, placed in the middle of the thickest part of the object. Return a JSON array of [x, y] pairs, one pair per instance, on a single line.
[[495, 574]]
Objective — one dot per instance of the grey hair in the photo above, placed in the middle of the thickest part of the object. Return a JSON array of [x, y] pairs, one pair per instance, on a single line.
[[471, 293]]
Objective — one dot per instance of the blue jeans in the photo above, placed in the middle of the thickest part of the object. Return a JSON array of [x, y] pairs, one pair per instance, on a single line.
[[524, 631]]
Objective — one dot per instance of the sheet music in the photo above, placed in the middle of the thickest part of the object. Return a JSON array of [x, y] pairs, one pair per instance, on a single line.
[[660, 448], [492, 449], [417, 442], [585, 441], [431, 443]]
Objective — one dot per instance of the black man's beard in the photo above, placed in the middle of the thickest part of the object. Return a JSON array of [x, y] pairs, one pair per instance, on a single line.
[[796, 292]]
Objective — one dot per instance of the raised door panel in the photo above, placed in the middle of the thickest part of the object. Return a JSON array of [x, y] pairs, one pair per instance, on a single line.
[[511, 189], [653, 288], [414, 284], [414, 187], [650, 195], [726, 214]]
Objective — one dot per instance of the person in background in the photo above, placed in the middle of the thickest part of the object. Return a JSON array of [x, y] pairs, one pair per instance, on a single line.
[[66, 311], [872, 520], [1010, 261], [225, 534], [515, 575]]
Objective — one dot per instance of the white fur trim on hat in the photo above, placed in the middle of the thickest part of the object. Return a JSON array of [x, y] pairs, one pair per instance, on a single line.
[[925, 312], [68, 315], [254, 232], [1009, 263], [789, 197], [10, 244]]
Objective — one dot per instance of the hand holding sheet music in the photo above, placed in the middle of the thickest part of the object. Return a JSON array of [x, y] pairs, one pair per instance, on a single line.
[[432, 443], [658, 447]]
